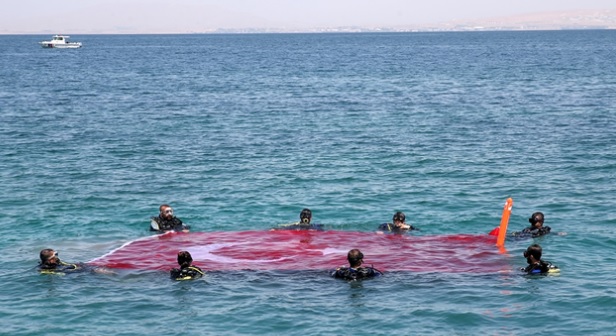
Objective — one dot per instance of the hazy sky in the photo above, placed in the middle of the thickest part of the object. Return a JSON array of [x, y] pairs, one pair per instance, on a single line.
[[181, 16]]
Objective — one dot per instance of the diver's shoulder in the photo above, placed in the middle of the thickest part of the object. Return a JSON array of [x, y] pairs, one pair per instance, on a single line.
[[386, 227], [542, 268], [63, 268], [189, 273], [299, 226]]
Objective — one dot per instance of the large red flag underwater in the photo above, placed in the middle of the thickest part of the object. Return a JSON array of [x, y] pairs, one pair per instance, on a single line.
[[316, 250]]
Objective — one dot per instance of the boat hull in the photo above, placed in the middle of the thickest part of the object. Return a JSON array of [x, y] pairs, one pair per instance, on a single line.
[[61, 46]]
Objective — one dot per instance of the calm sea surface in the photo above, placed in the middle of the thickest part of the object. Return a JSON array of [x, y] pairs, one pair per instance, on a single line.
[[240, 132]]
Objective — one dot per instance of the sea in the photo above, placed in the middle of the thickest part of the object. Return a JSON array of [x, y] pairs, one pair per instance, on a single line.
[[240, 132]]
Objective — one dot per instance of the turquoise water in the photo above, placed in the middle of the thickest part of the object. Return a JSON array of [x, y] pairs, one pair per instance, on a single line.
[[240, 132]]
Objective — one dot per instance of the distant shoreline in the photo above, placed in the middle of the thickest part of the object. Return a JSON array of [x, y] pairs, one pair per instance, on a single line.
[[583, 19], [258, 32]]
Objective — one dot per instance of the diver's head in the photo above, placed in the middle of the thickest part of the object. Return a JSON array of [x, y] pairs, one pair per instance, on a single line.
[[399, 218], [305, 216], [536, 220], [184, 259], [533, 254], [49, 257], [355, 258], [166, 211]]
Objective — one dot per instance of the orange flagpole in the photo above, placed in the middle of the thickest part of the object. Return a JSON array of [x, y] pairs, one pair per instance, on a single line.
[[502, 232]]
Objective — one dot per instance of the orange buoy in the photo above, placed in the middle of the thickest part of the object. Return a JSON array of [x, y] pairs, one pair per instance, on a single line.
[[502, 229]]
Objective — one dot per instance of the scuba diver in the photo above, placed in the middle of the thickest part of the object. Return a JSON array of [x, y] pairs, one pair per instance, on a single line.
[[535, 264], [355, 271], [536, 228], [304, 223], [51, 264], [187, 270], [166, 221], [398, 226]]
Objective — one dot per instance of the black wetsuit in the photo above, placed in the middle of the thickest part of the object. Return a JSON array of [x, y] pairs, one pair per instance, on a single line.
[[389, 227], [62, 268], [357, 273], [300, 226], [186, 273], [542, 267], [532, 232], [174, 224]]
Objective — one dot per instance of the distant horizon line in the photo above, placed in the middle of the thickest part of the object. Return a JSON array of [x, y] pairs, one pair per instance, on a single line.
[[604, 19], [327, 31]]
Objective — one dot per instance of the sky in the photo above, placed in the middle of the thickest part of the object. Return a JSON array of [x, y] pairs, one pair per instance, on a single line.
[[188, 16]]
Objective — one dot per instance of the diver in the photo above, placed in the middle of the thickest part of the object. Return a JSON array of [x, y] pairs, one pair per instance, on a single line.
[[398, 226], [535, 264], [536, 228], [304, 223], [51, 264], [187, 270], [355, 271], [166, 221]]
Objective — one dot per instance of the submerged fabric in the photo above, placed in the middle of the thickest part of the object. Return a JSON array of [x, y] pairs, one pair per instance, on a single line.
[[310, 250]]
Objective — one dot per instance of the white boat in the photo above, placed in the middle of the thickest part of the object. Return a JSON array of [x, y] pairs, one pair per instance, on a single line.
[[60, 41]]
